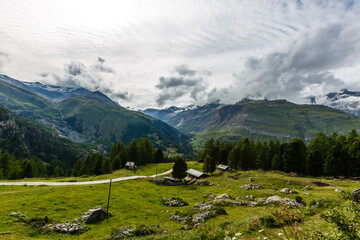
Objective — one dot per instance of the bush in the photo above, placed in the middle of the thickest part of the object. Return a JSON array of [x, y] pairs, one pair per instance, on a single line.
[[299, 199], [269, 221]]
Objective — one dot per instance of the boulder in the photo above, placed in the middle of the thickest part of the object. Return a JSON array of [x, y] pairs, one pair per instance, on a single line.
[[204, 183], [305, 188], [356, 195], [339, 190], [227, 201], [179, 219], [287, 191], [251, 186], [251, 179], [94, 215], [174, 202], [203, 206], [67, 227], [224, 195], [247, 197], [279, 200]]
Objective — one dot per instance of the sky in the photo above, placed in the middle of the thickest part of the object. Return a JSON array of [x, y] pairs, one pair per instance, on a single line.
[[155, 53]]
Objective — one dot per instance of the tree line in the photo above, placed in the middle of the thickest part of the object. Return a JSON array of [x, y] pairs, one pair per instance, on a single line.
[[140, 151], [335, 155], [13, 168]]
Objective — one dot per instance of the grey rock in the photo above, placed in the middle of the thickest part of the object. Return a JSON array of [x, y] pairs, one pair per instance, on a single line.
[[174, 202], [247, 197], [251, 179], [287, 191], [222, 196], [203, 206], [197, 225], [179, 219], [279, 200], [186, 227], [305, 188], [66, 227], [356, 195], [94, 215], [339, 190], [211, 197], [251, 186], [204, 183]]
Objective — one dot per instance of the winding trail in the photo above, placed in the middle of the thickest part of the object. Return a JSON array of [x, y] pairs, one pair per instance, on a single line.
[[80, 183]]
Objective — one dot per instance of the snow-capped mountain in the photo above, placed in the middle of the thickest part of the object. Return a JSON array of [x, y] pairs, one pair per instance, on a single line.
[[345, 100]]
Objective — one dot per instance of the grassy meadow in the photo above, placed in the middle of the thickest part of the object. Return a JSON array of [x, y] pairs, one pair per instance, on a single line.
[[138, 202]]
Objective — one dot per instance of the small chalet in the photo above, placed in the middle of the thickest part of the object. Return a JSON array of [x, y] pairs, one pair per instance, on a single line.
[[130, 165], [195, 174], [223, 168]]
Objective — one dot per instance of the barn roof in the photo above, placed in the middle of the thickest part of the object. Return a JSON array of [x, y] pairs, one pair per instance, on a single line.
[[195, 173]]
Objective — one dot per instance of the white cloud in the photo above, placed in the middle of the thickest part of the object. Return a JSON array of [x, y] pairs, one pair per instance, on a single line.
[[141, 40]]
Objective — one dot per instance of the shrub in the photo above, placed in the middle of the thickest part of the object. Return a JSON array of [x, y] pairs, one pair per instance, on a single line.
[[269, 221]]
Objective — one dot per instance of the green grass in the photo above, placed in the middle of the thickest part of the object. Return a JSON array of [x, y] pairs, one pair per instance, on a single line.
[[137, 202]]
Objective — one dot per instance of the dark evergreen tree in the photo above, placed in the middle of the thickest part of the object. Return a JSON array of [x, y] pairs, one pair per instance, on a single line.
[[133, 152], [106, 166], [314, 163], [28, 168], [276, 162], [234, 158], [77, 167], [179, 168], [116, 164], [294, 156], [159, 156]]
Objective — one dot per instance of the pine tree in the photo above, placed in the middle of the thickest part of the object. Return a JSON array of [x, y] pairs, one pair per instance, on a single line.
[[276, 162], [133, 152], [77, 167], [116, 164], [28, 168], [106, 166], [179, 168], [294, 156], [314, 163], [159, 156], [233, 159]]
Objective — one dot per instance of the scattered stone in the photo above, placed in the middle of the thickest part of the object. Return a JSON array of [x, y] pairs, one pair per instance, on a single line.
[[211, 197], [124, 232], [18, 215], [204, 183], [248, 197], [67, 227], [339, 190], [279, 200], [203, 206], [94, 215], [202, 217], [174, 202], [224, 195], [251, 179], [197, 225], [305, 193], [227, 201], [305, 188], [251, 186], [186, 227], [179, 219], [356, 195], [288, 191]]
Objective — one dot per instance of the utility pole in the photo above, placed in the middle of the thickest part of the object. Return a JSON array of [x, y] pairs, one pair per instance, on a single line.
[[107, 209]]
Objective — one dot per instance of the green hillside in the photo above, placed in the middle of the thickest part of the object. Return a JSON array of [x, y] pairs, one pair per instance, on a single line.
[[89, 117], [104, 123], [26, 138], [263, 120]]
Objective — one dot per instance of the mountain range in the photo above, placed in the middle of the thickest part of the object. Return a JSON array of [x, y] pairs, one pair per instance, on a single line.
[[257, 120], [85, 116]]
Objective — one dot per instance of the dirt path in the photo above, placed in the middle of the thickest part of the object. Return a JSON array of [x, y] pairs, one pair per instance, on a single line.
[[80, 183]]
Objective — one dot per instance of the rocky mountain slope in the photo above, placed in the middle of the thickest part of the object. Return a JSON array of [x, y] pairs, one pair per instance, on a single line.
[[261, 120], [26, 138], [85, 116]]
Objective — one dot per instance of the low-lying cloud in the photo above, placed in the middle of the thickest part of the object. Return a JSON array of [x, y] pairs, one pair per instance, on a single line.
[[303, 69], [76, 74], [185, 82]]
